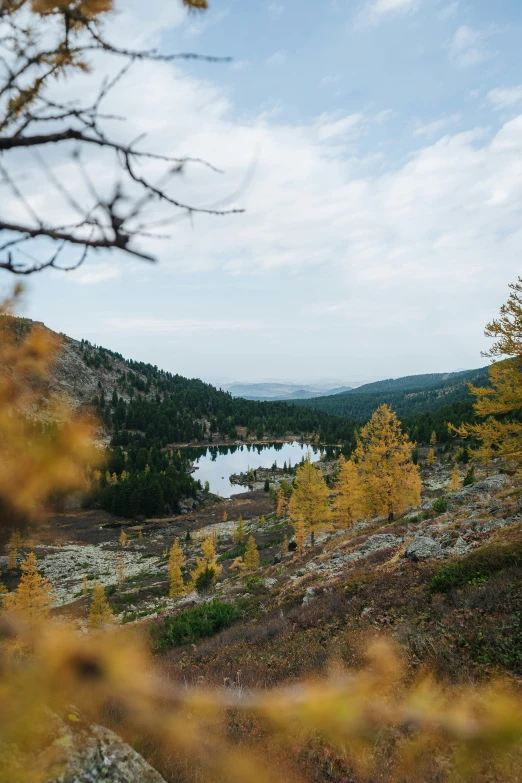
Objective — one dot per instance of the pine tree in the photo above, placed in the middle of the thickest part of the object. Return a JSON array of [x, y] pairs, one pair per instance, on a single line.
[[433, 438], [282, 504], [349, 501], [34, 597], [239, 531], [430, 459], [309, 502], [390, 482], [251, 556], [100, 613], [455, 478]]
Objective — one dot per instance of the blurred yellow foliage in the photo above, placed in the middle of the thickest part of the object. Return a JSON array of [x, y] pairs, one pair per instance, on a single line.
[[35, 460]]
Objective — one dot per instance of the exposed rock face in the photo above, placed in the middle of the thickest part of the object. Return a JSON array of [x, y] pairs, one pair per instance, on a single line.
[[92, 754], [423, 547]]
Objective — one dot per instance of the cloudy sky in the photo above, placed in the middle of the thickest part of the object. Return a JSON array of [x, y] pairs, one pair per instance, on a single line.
[[376, 147]]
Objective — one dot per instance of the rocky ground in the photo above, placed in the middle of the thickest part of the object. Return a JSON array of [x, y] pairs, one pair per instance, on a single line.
[[82, 544]]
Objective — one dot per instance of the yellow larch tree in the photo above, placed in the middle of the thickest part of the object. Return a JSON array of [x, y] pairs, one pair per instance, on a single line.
[[100, 613], [390, 482], [251, 556], [123, 538], [239, 532], [12, 548], [85, 586], [430, 459], [433, 438], [175, 564], [309, 502], [349, 501], [455, 478], [500, 403], [282, 504], [34, 597], [208, 561], [262, 520], [225, 516]]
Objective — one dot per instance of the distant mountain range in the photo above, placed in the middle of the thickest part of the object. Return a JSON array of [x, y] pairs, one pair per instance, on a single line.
[[281, 392], [409, 395]]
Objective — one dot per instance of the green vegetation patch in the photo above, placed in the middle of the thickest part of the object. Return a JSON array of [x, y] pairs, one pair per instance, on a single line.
[[191, 625], [476, 565]]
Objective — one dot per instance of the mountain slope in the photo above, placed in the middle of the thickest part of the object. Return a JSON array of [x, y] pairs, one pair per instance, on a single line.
[[407, 396], [278, 392]]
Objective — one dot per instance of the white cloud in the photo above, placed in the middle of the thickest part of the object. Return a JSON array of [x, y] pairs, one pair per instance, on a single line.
[[278, 58], [91, 275], [173, 326], [330, 128], [275, 10], [467, 46], [441, 226], [205, 21], [505, 97], [375, 11], [448, 11], [433, 128]]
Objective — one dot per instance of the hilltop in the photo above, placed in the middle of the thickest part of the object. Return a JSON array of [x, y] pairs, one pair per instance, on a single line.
[[408, 396]]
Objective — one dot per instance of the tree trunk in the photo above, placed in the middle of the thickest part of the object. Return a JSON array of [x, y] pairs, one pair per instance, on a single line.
[[313, 539], [390, 516]]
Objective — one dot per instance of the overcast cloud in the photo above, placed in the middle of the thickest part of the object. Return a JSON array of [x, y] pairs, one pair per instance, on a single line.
[[383, 208]]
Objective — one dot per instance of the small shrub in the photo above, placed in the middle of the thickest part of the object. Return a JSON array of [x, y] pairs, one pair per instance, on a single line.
[[478, 565], [191, 625], [469, 478], [440, 505], [205, 581], [255, 585]]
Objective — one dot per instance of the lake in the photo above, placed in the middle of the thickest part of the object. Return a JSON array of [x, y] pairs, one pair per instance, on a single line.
[[216, 463]]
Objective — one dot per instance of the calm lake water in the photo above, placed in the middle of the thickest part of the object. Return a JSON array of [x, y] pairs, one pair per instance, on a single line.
[[216, 463]]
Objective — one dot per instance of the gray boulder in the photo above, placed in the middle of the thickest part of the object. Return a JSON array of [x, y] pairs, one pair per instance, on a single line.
[[378, 542], [422, 548], [92, 754], [309, 596]]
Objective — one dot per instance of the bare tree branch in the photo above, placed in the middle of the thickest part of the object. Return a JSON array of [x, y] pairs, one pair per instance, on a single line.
[[33, 120]]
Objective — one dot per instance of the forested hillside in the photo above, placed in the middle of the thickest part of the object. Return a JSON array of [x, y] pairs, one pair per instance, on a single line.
[[408, 396]]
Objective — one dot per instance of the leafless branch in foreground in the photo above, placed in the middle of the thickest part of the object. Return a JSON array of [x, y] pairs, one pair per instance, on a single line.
[[34, 123]]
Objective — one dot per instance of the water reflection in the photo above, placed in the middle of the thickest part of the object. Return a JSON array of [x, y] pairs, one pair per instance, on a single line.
[[216, 463]]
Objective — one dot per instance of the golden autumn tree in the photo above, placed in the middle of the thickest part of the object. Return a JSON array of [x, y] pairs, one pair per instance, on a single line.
[[349, 501], [100, 613], [282, 503], [390, 482], [430, 459], [500, 403], [123, 538], [455, 478], [309, 502], [239, 532], [175, 564], [33, 598], [251, 556], [12, 548], [433, 438], [207, 564]]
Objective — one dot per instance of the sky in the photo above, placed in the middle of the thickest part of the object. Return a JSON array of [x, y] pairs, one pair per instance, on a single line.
[[376, 148]]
